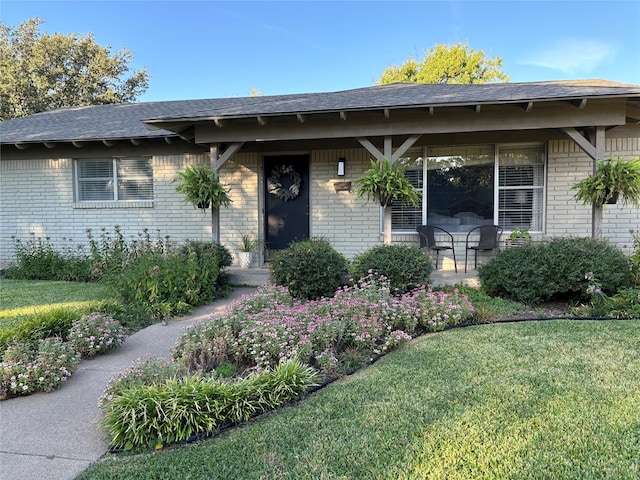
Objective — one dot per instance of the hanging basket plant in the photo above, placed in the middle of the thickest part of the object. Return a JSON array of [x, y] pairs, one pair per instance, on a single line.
[[201, 187], [613, 180]]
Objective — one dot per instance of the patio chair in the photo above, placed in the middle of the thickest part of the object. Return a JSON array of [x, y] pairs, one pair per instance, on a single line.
[[428, 240], [488, 241]]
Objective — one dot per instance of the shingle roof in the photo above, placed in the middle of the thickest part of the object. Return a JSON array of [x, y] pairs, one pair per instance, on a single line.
[[110, 122]]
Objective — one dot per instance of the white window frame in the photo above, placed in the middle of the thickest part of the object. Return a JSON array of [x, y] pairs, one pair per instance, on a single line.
[[496, 190], [113, 180]]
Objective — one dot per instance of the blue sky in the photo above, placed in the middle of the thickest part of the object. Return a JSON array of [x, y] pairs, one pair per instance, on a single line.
[[209, 49]]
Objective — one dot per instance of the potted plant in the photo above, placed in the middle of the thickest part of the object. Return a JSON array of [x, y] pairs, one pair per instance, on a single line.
[[517, 237], [201, 186], [384, 183], [248, 246], [612, 180]]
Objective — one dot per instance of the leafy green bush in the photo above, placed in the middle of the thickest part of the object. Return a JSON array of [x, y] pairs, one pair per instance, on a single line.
[[406, 266], [558, 269], [160, 284], [36, 259], [179, 409], [310, 269]]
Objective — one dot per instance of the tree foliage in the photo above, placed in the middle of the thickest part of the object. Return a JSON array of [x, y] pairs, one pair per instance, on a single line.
[[42, 72], [447, 64]]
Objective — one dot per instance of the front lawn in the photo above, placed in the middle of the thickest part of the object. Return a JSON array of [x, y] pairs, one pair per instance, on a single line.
[[23, 297], [554, 399]]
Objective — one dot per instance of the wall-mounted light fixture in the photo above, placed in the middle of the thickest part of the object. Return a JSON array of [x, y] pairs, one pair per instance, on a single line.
[[341, 166]]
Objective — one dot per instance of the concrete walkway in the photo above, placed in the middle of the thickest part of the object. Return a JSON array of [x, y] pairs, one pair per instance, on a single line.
[[55, 435]]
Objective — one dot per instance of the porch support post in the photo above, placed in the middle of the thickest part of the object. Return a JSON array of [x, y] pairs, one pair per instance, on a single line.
[[595, 148], [388, 148], [215, 212], [596, 211]]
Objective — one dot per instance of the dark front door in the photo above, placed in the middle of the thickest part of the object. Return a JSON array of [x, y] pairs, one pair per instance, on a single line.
[[287, 200]]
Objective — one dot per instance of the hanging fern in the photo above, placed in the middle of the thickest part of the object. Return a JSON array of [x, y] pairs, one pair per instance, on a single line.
[[201, 186]]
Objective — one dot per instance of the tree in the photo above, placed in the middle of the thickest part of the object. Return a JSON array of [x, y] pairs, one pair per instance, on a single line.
[[44, 72], [384, 183], [447, 64]]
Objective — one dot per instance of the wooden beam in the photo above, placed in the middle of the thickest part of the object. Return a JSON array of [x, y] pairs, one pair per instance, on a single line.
[[262, 121], [417, 121], [579, 104], [228, 153], [388, 147], [371, 148], [582, 142], [343, 116], [301, 118], [633, 113], [406, 145]]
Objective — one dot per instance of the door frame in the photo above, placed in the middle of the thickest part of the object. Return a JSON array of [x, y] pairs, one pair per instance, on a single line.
[[263, 195]]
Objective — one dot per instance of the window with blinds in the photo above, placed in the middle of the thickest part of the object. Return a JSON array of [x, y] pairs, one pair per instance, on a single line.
[[465, 186], [117, 179], [521, 187], [404, 216]]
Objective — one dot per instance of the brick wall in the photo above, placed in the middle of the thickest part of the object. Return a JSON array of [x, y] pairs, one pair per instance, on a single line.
[[37, 198], [568, 165]]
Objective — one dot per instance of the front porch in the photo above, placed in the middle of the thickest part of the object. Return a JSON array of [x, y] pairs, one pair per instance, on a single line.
[[446, 276]]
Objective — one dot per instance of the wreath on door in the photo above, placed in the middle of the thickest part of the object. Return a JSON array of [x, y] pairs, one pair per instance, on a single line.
[[274, 183]]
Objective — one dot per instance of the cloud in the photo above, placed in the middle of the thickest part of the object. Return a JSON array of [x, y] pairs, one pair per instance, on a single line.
[[572, 56]]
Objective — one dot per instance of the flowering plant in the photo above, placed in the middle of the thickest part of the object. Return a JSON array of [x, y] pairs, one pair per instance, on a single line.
[[360, 320], [96, 333], [25, 370], [54, 364], [143, 371]]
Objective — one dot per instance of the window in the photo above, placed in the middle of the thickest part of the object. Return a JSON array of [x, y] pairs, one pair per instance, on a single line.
[[460, 183], [405, 216], [521, 187], [469, 185], [114, 180]]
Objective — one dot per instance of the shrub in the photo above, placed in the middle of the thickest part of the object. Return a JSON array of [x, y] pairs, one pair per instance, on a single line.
[[36, 259], [554, 270], [179, 409], [310, 269], [635, 258], [406, 266], [95, 333], [158, 284], [27, 368]]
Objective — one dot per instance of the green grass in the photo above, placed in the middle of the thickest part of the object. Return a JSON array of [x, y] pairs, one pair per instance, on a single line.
[[31, 309], [536, 400], [20, 297]]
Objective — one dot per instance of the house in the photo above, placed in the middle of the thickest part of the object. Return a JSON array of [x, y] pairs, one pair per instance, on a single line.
[[481, 154]]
